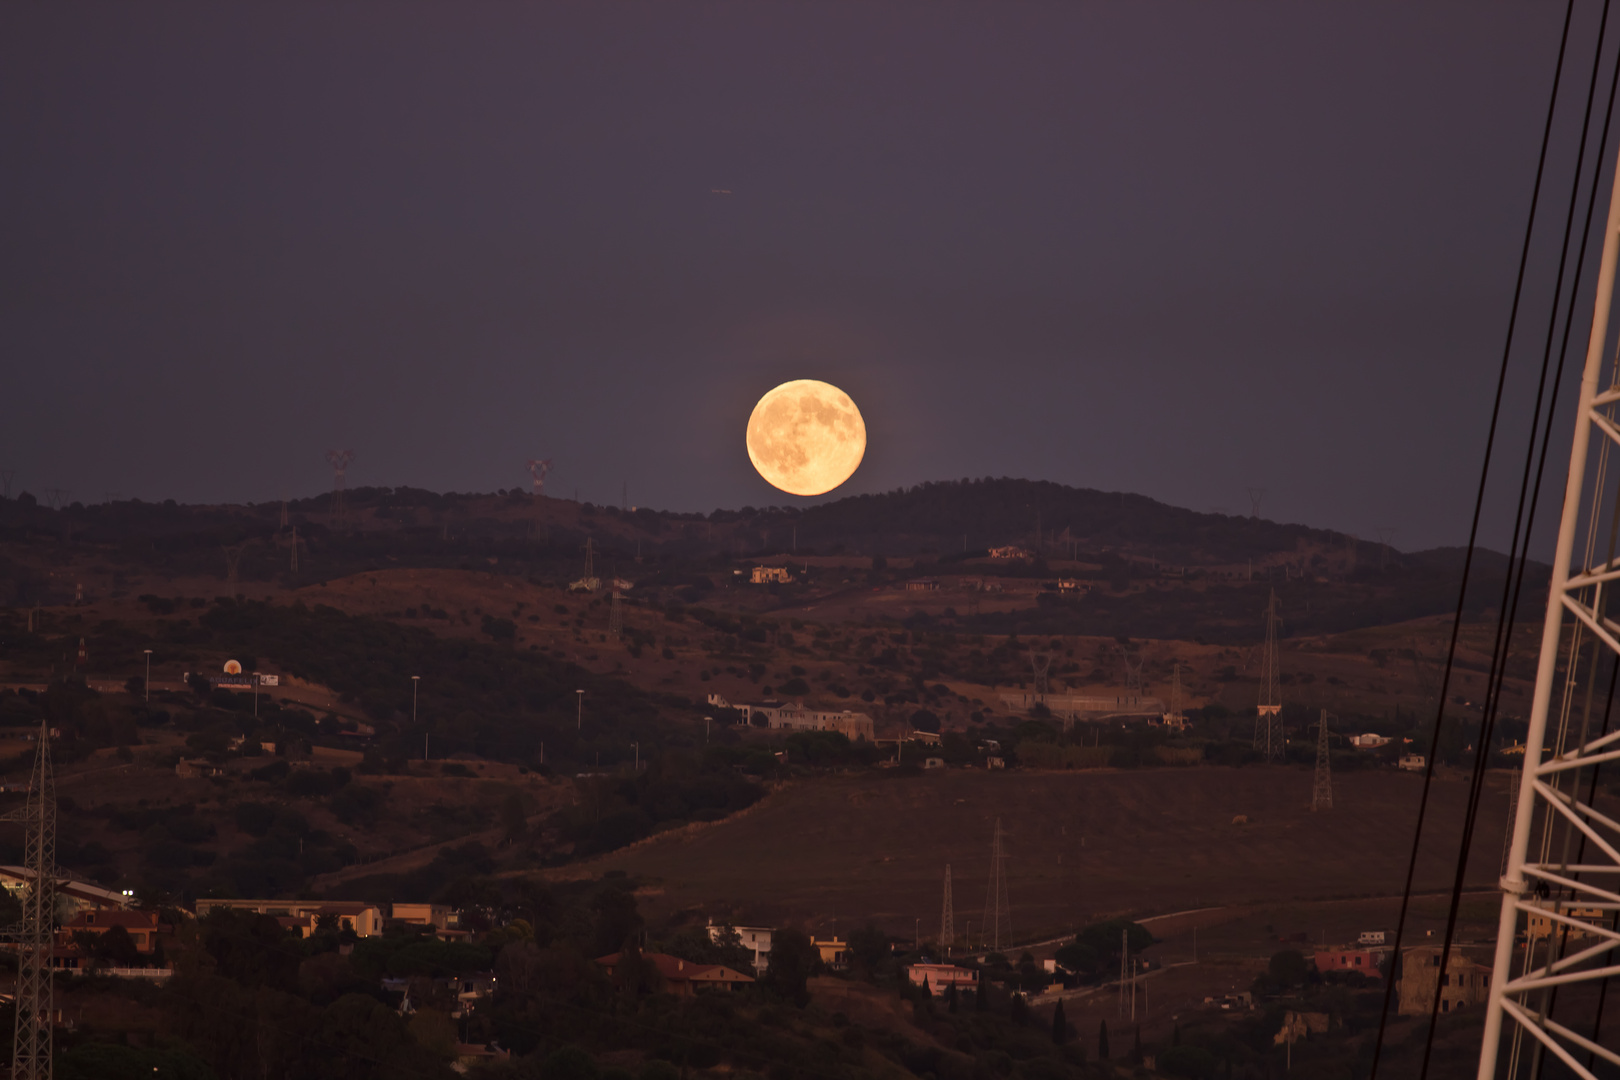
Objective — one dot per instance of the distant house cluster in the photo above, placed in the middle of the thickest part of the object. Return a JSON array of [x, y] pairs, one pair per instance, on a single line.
[[794, 716]]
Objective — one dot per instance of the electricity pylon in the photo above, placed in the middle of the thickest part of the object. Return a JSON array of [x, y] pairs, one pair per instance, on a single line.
[[31, 1052], [1565, 853], [1322, 789], [997, 916], [1268, 720], [947, 917], [615, 614]]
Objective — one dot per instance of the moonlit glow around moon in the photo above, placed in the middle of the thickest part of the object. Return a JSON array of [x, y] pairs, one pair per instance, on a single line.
[[806, 437]]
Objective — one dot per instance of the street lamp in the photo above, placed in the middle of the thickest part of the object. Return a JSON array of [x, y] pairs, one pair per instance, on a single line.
[[148, 676], [416, 681], [579, 712]]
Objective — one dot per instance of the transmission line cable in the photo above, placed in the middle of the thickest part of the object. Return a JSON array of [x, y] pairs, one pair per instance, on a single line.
[[1479, 503]]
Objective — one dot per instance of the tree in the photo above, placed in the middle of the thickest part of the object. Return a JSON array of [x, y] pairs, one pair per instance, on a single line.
[[514, 822], [950, 998], [1060, 1026], [1102, 1041], [792, 960], [981, 995], [1288, 967], [868, 947]]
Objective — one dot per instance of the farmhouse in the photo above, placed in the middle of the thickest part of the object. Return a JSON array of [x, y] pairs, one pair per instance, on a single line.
[[684, 978], [857, 727], [1361, 961], [1466, 981]]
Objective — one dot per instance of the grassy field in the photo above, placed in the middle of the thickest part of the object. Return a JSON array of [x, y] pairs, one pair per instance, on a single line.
[[1078, 846]]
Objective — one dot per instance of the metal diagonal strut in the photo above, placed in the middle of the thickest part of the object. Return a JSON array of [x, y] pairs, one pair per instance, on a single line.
[[1559, 887], [31, 1053]]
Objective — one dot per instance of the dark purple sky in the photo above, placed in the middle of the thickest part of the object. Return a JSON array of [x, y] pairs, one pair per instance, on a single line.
[[1174, 249]]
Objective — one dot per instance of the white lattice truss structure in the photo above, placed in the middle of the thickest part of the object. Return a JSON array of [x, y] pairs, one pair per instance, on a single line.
[[1563, 860]]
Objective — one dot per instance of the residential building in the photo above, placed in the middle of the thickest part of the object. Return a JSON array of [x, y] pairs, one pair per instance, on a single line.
[[1466, 981], [366, 920], [1369, 741], [933, 763], [1361, 961], [1542, 923], [939, 977], [1371, 937], [684, 978], [438, 916], [834, 953], [190, 770], [857, 727], [1413, 762], [1073, 586], [925, 584], [770, 575], [756, 939]]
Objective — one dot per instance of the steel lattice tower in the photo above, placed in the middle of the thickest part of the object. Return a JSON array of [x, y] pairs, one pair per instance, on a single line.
[[339, 460], [31, 1052], [1322, 789], [1268, 720], [615, 615], [997, 913], [947, 917], [1564, 853]]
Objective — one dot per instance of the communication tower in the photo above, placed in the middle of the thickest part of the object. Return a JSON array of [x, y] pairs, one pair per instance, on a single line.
[[339, 460], [1268, 735], [997, 912], [947, 917], [538, 468], [1322, 789], [31, 1052]]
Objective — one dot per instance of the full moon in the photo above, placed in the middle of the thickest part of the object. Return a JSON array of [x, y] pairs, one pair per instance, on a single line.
[[806, 437]]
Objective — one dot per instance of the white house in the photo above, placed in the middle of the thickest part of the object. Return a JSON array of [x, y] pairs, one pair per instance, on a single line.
[[755, 938]]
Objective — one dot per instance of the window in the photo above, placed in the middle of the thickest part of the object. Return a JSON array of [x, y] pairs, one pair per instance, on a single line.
[[1445, 1006], [1445, 980], [1434, 961]]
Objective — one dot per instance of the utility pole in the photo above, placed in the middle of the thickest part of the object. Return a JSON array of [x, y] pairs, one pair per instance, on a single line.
[[947, 917], [1322, 789], [148, 686], [579, 711]]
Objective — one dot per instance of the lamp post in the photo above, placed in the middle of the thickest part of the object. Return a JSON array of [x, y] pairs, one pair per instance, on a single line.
[[579, 712], [416, 681], [148, 686]]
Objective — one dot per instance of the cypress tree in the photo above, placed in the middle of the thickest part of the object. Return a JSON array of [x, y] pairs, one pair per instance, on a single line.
[[950, 998], [1060, 1027], [981, 996], [1102, 1041]]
